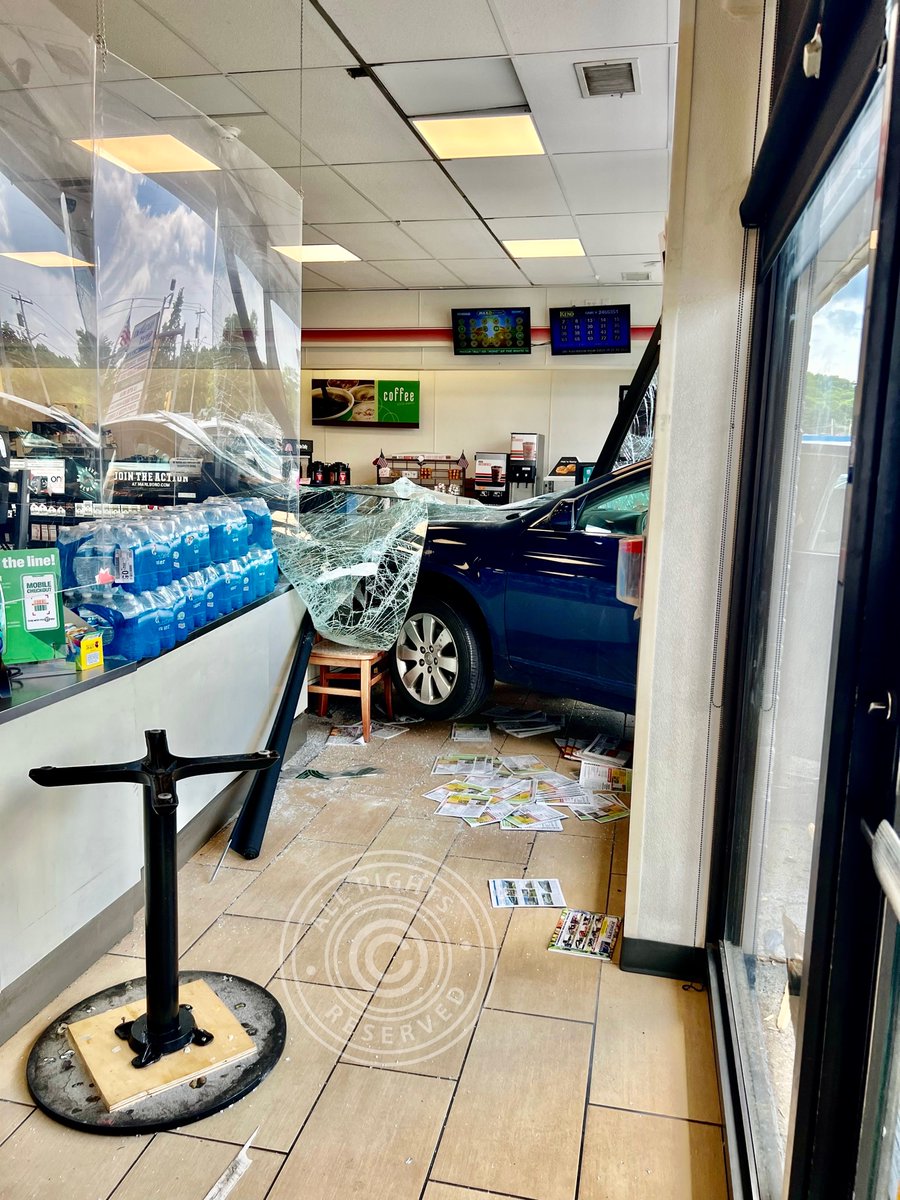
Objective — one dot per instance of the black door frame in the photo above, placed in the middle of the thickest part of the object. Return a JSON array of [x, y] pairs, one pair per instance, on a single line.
[[846, 902]]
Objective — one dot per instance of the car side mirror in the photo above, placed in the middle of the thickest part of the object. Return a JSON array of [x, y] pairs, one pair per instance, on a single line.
[[561, 518]]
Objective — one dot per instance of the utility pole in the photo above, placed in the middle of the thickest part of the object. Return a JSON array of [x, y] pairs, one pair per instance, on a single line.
[[22, 320]]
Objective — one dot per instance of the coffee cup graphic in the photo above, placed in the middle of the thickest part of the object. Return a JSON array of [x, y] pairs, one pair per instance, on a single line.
[[495, 473]]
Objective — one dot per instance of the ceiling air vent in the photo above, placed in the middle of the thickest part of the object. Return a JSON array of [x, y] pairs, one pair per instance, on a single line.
[[635, 276], [618, 78]]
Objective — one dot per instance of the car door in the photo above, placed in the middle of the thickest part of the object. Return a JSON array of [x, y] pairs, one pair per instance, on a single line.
[[562, 615]]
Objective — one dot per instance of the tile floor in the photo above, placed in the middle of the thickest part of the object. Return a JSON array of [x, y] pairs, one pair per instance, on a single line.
[[436, 1050]]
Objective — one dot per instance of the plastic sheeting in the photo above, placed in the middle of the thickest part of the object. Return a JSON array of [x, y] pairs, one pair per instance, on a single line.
[[354, 559]]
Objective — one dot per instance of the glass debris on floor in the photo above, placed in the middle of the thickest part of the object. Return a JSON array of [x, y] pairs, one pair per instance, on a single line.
[[587, 934], [352, 734], [465, 731]]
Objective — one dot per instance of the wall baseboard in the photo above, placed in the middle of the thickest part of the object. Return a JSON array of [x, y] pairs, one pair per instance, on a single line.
[[26, 996], [644, 957]]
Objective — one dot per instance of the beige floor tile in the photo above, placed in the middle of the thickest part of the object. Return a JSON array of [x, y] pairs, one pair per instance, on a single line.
[[44, 1159], [654, 1050], [407, 854], [418, 807], [199, 903], [349, 819], [458, 908], [423, 1012], [11, 1117], [572, 827], [531, 979], [499, 845], [524, 1081], [616, 906], [299, 883], [629, 1156], [286, 820], [352, 941], [110, 969], [395, 1119], [580, 864], [448, 1191], [319, 1021], [251, 947], [173, 1166], [620, 849]]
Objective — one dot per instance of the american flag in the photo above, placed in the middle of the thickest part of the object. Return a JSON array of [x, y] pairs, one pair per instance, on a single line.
[[380, 461], [125, 335], [463, 462]]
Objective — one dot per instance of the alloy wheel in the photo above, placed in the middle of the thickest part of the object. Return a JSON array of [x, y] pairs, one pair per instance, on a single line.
[[427, 658]]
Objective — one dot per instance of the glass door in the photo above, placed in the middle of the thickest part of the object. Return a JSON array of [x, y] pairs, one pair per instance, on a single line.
[[809, 420]]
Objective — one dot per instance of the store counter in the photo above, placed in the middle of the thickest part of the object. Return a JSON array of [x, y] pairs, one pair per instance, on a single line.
[[73, 857]]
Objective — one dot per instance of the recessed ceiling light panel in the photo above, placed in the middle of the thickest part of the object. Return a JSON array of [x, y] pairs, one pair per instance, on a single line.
[[507, 136], [545, 248], [148, 154], [310, 254], [45, 258]]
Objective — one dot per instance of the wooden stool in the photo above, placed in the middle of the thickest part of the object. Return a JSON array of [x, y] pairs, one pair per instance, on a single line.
[[344, 664]]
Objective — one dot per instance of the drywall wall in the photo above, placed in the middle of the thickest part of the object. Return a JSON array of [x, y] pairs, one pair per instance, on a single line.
[[466, 403]]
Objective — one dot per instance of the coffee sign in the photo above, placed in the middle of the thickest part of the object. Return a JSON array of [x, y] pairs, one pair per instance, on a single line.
[[390, 403]]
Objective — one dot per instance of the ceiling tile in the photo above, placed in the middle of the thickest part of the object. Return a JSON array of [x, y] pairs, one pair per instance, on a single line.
[[510, 187], [408, 191], [570, 124], [558, 270], [355, 275], [636, 181], [622, 233], [417, 29], [237, 40], [136, 35], [213, 94], [533, 227], [486, 272], [533, 26], [270, 141], [420, 273], [344, 120], [454, 239], [149, 97], [313, 282], [453, 85], [608, 268], [373, 240], [267, 193], [328, 198]]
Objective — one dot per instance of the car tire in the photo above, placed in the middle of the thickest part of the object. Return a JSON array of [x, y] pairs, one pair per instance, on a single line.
[[438, 666]]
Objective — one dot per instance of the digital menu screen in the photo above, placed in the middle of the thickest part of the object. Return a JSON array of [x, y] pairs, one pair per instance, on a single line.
[[491, 330], [596, 330]]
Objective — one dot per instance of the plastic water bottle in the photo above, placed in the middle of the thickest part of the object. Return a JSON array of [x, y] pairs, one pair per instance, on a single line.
[[201, 533], [176, 599], [94, 561], [257, 570], [167, 527], [160, 603], [233, 589], [213, 584], [259, 520], [188, 547], [160, 534], [134, 537], [117, 611], [68, 540], [195, 593], [272, 578], [248, 579]]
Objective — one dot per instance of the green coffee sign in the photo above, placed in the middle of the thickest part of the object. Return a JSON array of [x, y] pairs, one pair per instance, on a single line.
[[31, 624], [398, 402]]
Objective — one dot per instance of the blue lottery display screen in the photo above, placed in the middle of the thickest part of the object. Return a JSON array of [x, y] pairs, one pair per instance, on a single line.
[[605, 330], [491, 330]]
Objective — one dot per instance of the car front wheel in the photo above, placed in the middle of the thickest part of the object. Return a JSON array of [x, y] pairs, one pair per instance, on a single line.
[[437, 664]]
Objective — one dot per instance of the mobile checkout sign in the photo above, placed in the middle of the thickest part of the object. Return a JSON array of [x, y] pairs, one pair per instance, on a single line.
[[31, 623]]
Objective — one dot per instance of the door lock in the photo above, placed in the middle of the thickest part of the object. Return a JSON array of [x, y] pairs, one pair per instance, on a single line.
[[885, 706]]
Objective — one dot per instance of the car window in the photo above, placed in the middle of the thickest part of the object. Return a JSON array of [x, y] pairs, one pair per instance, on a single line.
[[622, 512]]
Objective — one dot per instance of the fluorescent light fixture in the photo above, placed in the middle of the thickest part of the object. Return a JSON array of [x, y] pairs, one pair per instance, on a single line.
[[148, 154], [545, 248], [45, 258], [480, 137], [317, 254]]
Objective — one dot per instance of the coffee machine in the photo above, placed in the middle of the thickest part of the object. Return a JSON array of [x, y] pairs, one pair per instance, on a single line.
[[526, 465], [491, 477]]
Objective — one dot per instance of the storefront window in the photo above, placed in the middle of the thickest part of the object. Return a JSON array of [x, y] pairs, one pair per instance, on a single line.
[[149, 341]]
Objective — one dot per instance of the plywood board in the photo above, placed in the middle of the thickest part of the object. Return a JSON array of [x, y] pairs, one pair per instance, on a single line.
[[108, 1059]]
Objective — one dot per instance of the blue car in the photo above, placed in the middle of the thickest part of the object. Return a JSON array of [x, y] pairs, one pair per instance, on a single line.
[[528, 597]]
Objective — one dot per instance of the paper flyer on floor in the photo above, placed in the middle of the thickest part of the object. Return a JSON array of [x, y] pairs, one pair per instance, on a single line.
[[589, 934], [526, 893]]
